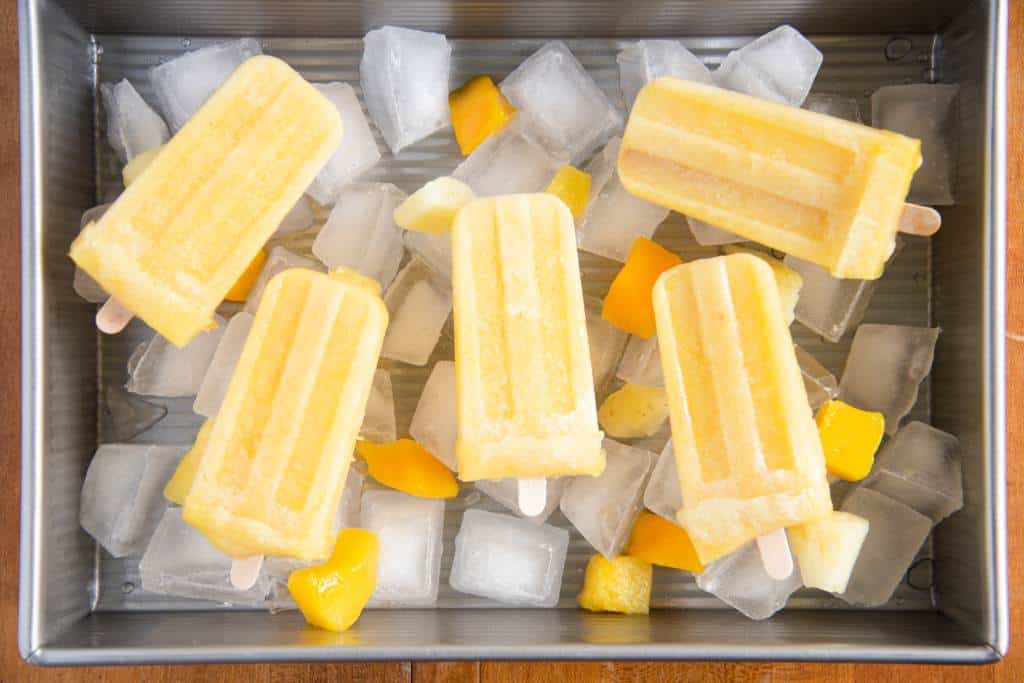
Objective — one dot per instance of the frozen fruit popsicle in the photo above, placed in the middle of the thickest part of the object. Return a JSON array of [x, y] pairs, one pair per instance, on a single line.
[[275, 464], [524, 388], [820, 188], [182, 234], [747, 451]]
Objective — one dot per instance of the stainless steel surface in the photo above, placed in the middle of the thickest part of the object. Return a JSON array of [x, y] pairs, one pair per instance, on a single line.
[[955, 281]]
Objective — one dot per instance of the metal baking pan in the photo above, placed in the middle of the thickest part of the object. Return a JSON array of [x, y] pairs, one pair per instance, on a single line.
[[78, 605]]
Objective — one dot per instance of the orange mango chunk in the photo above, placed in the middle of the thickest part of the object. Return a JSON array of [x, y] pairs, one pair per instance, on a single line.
[[478, 110], [572, 186], [240, 291], [180, 483], [407, 466], [849, 437], [622, 584], [332, 595], [656, 540], [628, 305]]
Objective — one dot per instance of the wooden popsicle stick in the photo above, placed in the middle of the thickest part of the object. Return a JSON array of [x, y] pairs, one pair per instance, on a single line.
[[245, 571], [113, 317], [920, 220], [533, 495], [775, 554]]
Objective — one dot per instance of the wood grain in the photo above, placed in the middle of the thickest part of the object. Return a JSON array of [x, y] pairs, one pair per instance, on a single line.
[[13, 669]]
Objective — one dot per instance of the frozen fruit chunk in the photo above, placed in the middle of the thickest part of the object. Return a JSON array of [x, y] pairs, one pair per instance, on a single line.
[[511, 161], [332, 595], [779, 66], [663, 495], [740, 581], [434, 422], [656, 540], [647, 60], [573, 115], [572, 186], [404, 75], [218, 375], [634, 411], [357, 152], [240, 291], [419, 302], [478, 110], [132, 125], [407, 466], [159, 368], [432, 208], [628, 304], [509, 559], [621, 584], [827, 549], [849, 438]]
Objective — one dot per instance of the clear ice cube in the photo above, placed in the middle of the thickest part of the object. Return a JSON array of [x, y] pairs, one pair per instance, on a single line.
[[404, 76], [509, 559], [572, 113], [434, 422], [641, 362], [708, 235], [828, 305], [779, 66], [614, 217], [132, 125], [820, 384], [647, 60], [514, 160], [159, 368], [839, 106], [122, 496], [218, 375], [435, 250], [920, 467], [607, 343], [360, 232], [358, 151], [279, 259], [740, 581], [180, 561], [506, 492], [183, 84], [885, 366], [125, 415], [895, 535], [928, 112], [299, 218], [419, 302], [379, 420], [603, 508], [663, 495], [410, 531]]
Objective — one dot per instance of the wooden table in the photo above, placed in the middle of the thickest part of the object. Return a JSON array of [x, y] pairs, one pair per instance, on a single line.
[[13, 669]]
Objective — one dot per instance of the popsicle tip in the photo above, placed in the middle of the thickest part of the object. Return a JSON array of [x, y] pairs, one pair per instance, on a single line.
[[920, 220], [775, 554], [245, 571], [113, 317], [533, 495]]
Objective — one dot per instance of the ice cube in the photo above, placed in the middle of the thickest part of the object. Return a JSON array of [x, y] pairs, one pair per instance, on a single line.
[[358, 151], [820, 384], [663, 495], [84, 285], [607, 343], [509, 559], [218, 375], [436, 250], [122, 497], [604, 508], [708, 235], [125, 415], [514, 160], [379, 420], [614, 217], [641, 362], [646, 60], [572, 113], [928, 112], [404, 75], [434, 422], [895, 535], [159, 368], [299, 218], [410, 531], [419, 302], [132, 125], [180, 561], [184, 83], [278, 260], [779, 66], [740, 581], [360, 232], [884, 368], [920, 467], [506, 492], [834, 105], [828, 305]]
